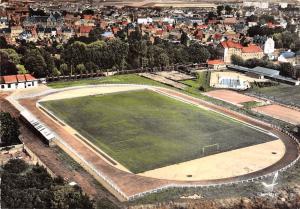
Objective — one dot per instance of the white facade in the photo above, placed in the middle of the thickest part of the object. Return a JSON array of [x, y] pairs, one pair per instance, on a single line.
[[257, 4], [21, 85], [269, 46], [144, 20]]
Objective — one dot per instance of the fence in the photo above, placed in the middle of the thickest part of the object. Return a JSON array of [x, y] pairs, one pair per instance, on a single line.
[[172, 186]]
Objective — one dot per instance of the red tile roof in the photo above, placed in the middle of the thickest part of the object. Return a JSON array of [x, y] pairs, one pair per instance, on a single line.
[[29, 77], [215, 62], [21, 78], [231, 44], [231, 20], [16, 78], [251, 49], [85, 29], [9, 79]]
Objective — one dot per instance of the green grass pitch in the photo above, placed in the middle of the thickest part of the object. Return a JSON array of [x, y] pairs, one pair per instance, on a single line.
[[144, 130]]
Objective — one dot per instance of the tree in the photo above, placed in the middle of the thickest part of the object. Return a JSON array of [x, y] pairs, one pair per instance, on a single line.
[[251, 63], [220, 8], [137, 48], [9, 132], [237, 60], [36, 65], [184, 38], [96, 34], [287, 69], [80, 68], [15, 166], [228, 9], [21, 69], [56, 72], [75, 53], [68, 197], [7, 67], [91, 67], [3, 43], [198, 54], [36, 189], [63, 68], [12, 55], [118, 52]]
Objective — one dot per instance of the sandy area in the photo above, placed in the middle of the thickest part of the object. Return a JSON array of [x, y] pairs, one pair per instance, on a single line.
[[81, 92], [238, 162], [280, 112], [231, 97]]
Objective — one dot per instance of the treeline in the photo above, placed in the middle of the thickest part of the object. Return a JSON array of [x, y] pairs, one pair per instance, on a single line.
[[93, 54], [283, 38], [24, 186], [286, 69], [9, 130]]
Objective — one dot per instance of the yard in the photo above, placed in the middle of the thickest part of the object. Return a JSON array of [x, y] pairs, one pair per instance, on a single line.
[[143, 130]]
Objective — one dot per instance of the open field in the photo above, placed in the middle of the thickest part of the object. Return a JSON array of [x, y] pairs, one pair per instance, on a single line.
[[120, 79], [280, 112], [282, 93], [144, 130]]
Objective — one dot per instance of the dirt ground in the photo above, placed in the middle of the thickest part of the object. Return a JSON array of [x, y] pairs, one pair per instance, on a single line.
[[175, 75], [280, 112], [224, 165], [164, 80], [50, 157], [231, 97]]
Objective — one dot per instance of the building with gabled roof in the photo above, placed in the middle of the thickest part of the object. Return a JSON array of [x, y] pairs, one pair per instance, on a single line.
[[229, 48], [11, 82]]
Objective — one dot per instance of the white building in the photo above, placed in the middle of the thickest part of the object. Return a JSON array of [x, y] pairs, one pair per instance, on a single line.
[[257, 4], [269, 46], [144, 21], [11, 82]]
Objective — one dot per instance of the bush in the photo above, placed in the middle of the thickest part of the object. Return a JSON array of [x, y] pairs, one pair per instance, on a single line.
[[15, 166]]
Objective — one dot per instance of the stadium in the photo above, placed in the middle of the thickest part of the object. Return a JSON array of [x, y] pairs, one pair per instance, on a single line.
[[139, 139]]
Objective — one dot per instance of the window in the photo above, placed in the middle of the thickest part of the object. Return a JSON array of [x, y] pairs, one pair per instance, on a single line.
[[2, 86], [9, 85]]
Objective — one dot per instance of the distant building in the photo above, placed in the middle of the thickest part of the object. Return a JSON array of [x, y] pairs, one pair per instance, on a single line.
[[216, 64], [257, 4], [11, 82], [269, 46], [229, 48], [287, 57]]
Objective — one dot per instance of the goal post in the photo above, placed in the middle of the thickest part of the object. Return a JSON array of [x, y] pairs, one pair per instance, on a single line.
[[212, 148]]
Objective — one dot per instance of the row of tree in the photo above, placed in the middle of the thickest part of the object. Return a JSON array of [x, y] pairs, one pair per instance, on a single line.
[[9, 130], [286, 69], [77, 57], [24, 186]]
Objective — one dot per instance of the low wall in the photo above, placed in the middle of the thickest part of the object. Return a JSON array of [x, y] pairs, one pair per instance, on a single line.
[[36, 160]]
